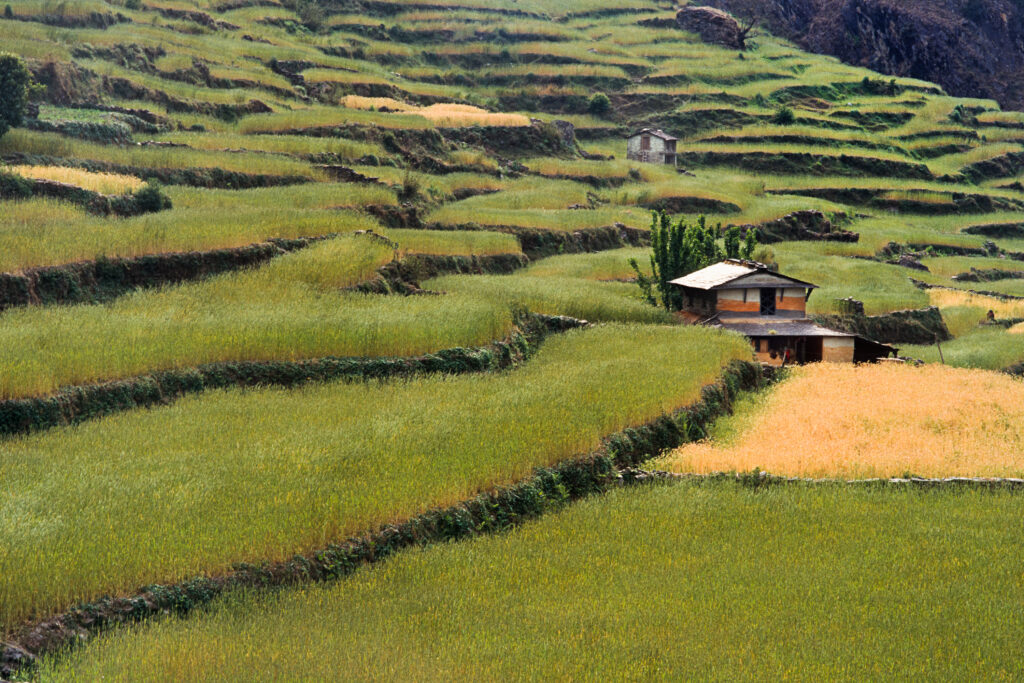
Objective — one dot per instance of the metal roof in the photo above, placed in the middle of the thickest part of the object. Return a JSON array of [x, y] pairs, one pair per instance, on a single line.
[[789, 328], [720, 274], [656, 132]]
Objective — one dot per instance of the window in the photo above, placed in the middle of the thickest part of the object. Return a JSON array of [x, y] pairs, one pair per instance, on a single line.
[[768, 301]]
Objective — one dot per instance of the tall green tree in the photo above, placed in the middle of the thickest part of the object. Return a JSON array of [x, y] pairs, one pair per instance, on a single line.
[[14, 89], [676, 250]]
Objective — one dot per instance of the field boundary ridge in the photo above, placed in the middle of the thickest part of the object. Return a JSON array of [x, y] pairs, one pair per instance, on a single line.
[[761, 478], [494, 511], [76, 404]]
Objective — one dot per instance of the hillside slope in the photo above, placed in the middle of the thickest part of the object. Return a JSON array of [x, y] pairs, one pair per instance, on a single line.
[[973, 48]]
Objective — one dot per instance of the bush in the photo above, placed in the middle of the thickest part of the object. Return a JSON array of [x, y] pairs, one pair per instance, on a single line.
[[784, 117], [8, 12], [133, 4], [599, 104], [410, 189], [14, 186], [14, 86], [151, 198]]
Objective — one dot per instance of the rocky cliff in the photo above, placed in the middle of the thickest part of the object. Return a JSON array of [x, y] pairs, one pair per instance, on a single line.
[[973, 48]]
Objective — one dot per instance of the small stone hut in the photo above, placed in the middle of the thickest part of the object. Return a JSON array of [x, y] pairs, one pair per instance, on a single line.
[[771, 310], [652, 146]]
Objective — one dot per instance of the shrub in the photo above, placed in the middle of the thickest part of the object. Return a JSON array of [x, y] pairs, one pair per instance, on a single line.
[[133, 4], [784, 117], [151, 198], [8, 12], [599, 104], [410, 187], [14, 86], [13, 186]]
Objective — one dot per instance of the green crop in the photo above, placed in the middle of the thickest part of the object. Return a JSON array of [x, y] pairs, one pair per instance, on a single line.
[[160, 495], [717, 582]]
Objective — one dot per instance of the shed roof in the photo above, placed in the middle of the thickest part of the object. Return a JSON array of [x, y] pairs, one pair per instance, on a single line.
[[727, 274], [656, 132], [788, 328]]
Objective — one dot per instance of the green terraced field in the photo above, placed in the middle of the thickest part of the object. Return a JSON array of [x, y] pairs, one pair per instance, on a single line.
[[83, 518], [442, 129], [662, 583]]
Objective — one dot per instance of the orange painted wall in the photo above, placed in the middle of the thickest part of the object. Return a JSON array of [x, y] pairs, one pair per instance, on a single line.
[[731, 301]]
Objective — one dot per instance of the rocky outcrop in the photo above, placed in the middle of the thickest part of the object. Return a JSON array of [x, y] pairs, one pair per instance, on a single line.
[[972, 48], [807, 226], [713, 26]]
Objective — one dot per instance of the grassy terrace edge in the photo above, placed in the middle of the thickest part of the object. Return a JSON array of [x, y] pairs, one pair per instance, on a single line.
[[77, 404], [106, 279], [548, 489]]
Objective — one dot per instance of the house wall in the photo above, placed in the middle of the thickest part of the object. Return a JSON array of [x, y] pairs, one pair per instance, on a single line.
[[833, 349], [838, 349], [793, 300], [655, 155]]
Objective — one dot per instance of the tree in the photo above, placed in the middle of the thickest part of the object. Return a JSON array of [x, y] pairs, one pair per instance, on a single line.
[[676, 250], [599, 104], [14, 89]]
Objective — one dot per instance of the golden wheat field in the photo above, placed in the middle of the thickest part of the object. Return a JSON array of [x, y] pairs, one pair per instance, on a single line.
[[883, 420], [441, 114], [948, 298], [104, 183]]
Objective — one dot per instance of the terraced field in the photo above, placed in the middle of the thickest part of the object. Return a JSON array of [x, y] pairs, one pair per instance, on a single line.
[[246, 247]]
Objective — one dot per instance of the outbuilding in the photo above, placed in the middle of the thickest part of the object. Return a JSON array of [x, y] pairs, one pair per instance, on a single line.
[[771, 310], [652, 146]]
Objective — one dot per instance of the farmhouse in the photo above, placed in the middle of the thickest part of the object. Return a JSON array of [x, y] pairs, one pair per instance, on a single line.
[[652, 146], [771, 309]]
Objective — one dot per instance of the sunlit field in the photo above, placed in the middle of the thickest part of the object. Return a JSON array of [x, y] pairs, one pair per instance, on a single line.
[[869, 421], [479, 148], [289, 309], [159, 495], [104, 183], [663, 583], [44, 232]]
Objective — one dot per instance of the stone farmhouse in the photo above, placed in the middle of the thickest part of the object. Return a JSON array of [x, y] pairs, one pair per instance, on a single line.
[[652, 146], [771, 310]]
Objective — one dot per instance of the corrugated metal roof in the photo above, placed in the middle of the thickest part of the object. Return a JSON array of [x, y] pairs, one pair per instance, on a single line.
[[787, 328], [719, 275], [716, 275]]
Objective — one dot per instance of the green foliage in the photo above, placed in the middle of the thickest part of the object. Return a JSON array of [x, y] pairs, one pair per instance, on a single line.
[[151, 198], [676, 250], [410, 189], [8, 12], [133, 4], [13, 186], [14, 88], [784, 117], [309, 11], [599, 104], [749, 244], [733, 237]]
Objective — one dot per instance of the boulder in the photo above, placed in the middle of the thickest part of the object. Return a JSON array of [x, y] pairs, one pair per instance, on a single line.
[[911, 261], [713, 26], [808, 225]]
